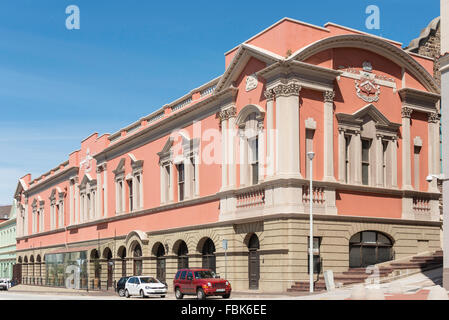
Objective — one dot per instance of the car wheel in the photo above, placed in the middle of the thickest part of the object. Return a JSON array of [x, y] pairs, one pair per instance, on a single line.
[[127, 293], [142, 295], [121, 292], [226, 296], [178, 294], [200, 294]]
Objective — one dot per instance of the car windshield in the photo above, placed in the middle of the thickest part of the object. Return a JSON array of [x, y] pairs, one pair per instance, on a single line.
[[204, 274], [148, 280]]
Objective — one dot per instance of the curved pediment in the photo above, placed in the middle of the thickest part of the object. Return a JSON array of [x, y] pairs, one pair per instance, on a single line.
[[374, 44]]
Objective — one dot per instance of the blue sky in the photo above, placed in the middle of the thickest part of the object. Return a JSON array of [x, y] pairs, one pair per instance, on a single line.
[[129, 58]]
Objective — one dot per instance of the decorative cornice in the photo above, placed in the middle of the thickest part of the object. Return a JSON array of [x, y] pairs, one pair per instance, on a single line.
[[287, 90], [406, 112], [329, 96]]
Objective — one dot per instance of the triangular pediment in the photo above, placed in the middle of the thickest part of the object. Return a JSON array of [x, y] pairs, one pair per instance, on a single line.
[[120, 167], [367, 113], [244, 53]]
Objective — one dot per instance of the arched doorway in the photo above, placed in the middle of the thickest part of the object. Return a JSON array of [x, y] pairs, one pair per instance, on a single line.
[[95, 259], [160, 262], [368, 248], [253, 262], [208, 255], [137, 257], [107, 254], [122, 255], [183, 259], [33, 280]]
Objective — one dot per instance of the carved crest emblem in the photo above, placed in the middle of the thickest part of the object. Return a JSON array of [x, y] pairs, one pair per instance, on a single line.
[[366, 87], [251, 82]]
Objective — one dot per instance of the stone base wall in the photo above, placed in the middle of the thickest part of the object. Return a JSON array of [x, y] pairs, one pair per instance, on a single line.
[[283, 248]]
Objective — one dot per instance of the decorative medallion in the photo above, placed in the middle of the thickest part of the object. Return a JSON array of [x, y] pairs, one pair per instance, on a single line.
[[366, 87], [251, 82]]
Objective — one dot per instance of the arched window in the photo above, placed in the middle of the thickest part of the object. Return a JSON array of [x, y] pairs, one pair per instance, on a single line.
[[122, 254], [253, 262], [160, 263], [137, 254], [369, 248], [208, 253], [183, 259]]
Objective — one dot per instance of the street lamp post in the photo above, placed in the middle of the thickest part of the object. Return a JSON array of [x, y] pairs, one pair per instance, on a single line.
[[311, 155]]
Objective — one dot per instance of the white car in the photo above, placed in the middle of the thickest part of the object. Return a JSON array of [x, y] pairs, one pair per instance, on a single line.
[[144, 286], [5, 284]]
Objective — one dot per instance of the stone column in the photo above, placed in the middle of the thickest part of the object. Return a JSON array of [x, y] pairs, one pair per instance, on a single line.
[[356, 142], [77, 202], [105, 190], [328, 136], [341, 155], [393, 146], [406, 149], [187, 178], [434, 149], [270, 158], [231, 163], [287, 125], [222, 115], [98, 194], [379, 162], [243, 158], [71, 202]]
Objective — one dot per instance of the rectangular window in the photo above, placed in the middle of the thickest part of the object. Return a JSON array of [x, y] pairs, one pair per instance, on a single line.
[[347, 143], [181, 179], [119, 196], [130, 192], [366, 144], [253, 149], [137, 189]]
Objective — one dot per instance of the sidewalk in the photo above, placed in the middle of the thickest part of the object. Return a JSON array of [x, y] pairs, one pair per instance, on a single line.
[[52, 290]]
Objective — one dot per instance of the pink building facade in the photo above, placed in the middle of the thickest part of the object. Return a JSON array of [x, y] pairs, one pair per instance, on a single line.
[[227, 161]]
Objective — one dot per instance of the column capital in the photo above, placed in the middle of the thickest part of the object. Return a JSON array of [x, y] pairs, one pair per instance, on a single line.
[[329, 96], [227, 113], [406, 112], [287, 90], [269, 94], [434, 117]]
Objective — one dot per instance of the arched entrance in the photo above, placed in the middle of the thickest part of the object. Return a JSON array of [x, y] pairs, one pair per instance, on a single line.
[[39, 272], [183, 259], [160, 262], [368, 248], [137, 257], [107, 254], [208, 255], [95, 259], [122, 255], [253, 262], [33, 276]]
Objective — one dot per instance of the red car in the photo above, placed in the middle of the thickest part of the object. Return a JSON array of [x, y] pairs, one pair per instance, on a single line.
[[200, 282]]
